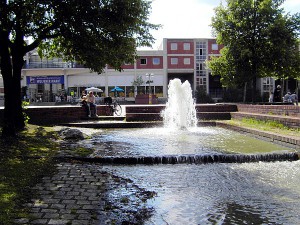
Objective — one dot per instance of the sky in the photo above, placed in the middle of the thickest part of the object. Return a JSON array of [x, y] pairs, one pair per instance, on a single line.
[[190, 18]]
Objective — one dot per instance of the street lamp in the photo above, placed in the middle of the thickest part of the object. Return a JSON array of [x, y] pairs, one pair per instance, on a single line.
[[149, 81]]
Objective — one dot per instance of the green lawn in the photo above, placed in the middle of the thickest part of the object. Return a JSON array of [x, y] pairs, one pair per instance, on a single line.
[[270, 126], [23, 162]]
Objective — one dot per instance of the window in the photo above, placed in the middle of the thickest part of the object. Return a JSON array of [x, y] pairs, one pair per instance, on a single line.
[[214, 47], [201, 82], [186, 46], [200, 69], [156, 61], [159, 91], [186, 61], [174, 61], [173, 46], [143, 61], [268, 84], [200, 51]]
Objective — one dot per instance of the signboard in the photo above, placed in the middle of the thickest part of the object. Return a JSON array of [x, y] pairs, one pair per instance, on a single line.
[[45, 80]]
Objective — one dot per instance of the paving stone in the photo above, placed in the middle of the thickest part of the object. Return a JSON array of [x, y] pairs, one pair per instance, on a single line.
[[39, 221], [68, 201], [51, 216], [58, 222], [79, 197], [73, 206], [88, 207], [81, 222], [71, 196], [58, 206]]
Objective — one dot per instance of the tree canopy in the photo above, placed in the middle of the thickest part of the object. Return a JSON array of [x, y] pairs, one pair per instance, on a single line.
[[259, 41], [91, 32]]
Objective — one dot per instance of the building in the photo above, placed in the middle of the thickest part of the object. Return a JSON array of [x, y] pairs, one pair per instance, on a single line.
[[47, 79]]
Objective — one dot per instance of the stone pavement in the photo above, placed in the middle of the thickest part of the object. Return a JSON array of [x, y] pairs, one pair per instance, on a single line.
[[71, 196], [86, 194]]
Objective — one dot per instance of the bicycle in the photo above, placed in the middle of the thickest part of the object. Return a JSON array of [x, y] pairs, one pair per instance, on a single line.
[[112, 107]]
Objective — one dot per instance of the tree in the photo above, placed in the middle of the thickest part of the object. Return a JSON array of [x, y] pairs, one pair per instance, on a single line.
[[93, 33], [136, 83], [250, 30]]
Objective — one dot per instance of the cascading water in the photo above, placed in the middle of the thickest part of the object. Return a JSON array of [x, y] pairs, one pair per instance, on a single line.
[[180, 111]]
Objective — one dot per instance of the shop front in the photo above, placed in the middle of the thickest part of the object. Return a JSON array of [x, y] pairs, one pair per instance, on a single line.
[[44, 88]]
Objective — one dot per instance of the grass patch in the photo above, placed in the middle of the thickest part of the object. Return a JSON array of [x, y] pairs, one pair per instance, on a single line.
[[83, 152], [23, 162], [268, 125]]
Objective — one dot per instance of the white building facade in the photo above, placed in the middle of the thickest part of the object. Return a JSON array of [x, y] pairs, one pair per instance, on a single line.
[[46, 79]]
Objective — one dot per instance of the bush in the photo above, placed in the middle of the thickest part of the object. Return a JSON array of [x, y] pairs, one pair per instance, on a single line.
[[202, 96], [233, 95]]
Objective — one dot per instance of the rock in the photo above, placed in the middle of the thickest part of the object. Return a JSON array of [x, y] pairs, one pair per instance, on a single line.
[[71, 134]]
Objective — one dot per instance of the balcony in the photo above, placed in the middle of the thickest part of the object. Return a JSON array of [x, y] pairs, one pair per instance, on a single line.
[[38, 65]]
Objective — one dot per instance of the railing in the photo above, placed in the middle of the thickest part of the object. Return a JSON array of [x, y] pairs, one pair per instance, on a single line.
[[33, 65]]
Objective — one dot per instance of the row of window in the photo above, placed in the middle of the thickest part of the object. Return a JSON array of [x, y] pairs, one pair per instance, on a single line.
[[199, 45], [186, 61], [128, 91], [186, 46], [155, 61], [174, 61]]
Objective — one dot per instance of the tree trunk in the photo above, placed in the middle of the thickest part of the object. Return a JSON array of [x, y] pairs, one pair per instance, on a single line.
[[11, 67], [17, 70], [254, 89], [6, 71], [245, 92]]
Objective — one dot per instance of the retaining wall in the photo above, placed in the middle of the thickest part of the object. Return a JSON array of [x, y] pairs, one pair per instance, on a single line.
[[280, 110], [47, 115], [204, 112], [288, 115]]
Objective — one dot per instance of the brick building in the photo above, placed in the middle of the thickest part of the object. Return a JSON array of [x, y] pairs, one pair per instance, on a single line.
[[177, 58]]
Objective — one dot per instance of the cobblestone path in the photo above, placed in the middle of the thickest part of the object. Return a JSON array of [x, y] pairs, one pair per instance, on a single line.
[[71, 196]]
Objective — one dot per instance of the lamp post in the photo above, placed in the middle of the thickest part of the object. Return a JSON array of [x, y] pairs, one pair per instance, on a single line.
[[149, 76]]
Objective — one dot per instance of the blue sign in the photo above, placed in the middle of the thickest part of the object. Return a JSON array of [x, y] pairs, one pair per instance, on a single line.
[[46, 80]]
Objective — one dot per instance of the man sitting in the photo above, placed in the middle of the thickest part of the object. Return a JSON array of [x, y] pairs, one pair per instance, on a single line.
[[287, 98], [294, 98], [91, 104]]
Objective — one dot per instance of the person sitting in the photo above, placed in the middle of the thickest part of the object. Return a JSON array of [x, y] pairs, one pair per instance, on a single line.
[[294, 98], [271, 97], [277, 94], [92, 104], [82, 94], [84, 104], [287, 98]]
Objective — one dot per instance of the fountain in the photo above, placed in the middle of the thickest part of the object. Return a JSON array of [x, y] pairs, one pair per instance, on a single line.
[[200, 173], [180, 111]]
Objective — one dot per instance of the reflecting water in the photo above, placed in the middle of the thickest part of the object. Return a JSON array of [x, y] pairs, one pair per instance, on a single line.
[[164, 141], [221, 193], [249, 193]]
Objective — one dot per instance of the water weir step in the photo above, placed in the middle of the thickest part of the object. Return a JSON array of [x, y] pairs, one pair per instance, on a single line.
[[188, 159]]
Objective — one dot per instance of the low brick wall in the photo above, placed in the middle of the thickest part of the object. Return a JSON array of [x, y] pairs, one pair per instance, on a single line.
[[204, 112], [47, 115], [281, 110]]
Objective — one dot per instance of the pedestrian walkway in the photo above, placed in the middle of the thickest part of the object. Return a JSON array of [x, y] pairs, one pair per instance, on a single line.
[[71, 196], [86, 194]]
